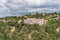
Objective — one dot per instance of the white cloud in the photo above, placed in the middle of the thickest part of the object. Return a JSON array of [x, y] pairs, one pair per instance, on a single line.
[[21, 6], [27, 4], [34, 2]]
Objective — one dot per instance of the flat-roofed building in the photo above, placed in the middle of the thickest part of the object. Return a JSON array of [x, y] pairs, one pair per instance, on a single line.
[[35, 21], [41, 21], [30, 20]]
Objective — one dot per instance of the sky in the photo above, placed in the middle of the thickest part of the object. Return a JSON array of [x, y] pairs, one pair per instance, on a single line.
[[21, 7]]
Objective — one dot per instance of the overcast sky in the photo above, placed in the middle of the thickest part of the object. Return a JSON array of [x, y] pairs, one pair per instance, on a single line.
[[20, 7]]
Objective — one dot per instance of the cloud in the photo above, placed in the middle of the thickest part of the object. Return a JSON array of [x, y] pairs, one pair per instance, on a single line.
[[20, 7]]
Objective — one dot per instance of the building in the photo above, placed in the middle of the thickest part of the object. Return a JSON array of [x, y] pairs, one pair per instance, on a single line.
[[57, 18], [41, 21], [3, 21], [30, 20], [19, 21], [35, 21], [12, 29]]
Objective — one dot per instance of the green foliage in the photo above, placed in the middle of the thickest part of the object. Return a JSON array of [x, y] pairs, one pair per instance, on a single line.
[[23, 31]]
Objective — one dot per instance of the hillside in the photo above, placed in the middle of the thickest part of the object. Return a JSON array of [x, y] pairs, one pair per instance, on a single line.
[[39, 26]]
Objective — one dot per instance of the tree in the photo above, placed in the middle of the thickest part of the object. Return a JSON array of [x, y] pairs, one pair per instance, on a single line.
[[22, 23]]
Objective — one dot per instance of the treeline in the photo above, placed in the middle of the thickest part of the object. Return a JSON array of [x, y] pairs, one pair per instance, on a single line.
[[10, 29]]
